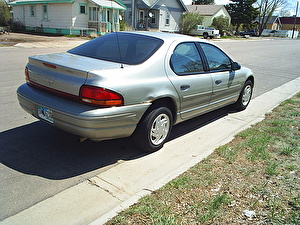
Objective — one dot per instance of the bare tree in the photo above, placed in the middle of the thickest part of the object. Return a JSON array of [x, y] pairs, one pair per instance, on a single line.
[[266, 10]]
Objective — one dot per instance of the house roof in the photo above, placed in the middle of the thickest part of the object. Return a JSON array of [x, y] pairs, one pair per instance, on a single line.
[[152, 3], [25, 2], [289, 20], [205, 10], [273, 19], [109, 4], [282, 20], [103, 3]]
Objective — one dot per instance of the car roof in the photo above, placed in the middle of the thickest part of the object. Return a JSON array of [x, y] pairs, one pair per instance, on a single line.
[[164, 36]]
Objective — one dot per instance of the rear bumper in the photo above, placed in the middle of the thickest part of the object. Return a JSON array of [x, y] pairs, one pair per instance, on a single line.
[[83, 120]]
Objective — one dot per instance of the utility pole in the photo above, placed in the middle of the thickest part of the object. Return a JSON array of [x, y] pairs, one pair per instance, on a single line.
[[294, 27], [133, 14]]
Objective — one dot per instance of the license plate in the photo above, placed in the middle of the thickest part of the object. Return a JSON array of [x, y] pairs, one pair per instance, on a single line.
[[45, 114]]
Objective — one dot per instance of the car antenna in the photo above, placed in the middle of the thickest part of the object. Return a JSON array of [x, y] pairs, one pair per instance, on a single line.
[[117, 36], [119, 49]]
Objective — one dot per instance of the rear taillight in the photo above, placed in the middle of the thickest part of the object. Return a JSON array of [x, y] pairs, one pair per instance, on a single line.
[[27, 75], [100, 96]]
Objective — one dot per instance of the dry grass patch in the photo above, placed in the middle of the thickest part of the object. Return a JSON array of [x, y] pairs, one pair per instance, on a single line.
[[252, 180]]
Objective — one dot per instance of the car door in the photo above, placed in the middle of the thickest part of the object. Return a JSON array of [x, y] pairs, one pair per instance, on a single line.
[[186, 72], [225, 83]]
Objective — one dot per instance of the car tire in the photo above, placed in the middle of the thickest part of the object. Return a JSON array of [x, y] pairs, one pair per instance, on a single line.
[[154, 129], [245, 96], [205, 35]]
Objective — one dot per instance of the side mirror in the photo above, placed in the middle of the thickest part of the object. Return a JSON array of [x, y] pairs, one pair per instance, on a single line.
[[235, 66]]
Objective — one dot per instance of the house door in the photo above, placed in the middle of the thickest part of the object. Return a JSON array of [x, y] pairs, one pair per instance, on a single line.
[[108, 16], [141, 15], [141, 22]]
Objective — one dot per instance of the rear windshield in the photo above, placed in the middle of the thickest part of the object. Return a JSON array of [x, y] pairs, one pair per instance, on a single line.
[[124, 48]]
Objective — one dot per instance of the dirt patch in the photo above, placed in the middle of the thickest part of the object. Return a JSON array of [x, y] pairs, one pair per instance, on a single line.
[[14, 38]]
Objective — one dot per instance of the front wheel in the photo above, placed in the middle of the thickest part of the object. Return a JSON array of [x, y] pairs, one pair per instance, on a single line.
[[154, 129], [245, 96]]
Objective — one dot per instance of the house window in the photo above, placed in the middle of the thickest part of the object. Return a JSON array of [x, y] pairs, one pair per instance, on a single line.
[[167, 18], [104, 15], [93, 14], [32, 10], [45, 12], [82, 8], [116, 16]]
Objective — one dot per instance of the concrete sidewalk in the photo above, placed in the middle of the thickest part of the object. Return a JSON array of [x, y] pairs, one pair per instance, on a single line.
[[102, 197]]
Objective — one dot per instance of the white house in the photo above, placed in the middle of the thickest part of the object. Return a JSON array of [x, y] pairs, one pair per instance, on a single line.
[[80, 17], [162, 15], [209, 12]]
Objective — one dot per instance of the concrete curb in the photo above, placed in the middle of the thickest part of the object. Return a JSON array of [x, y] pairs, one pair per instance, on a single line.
[[100, 198]]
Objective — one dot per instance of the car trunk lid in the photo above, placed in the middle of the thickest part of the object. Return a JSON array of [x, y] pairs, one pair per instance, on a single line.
[[63, 72]]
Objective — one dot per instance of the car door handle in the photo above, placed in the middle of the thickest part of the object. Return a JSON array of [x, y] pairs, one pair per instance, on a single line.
[[217, 82], [184, 87]]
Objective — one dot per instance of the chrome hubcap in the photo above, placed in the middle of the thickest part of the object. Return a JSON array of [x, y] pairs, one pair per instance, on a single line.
[[160, 129], [246, 95]]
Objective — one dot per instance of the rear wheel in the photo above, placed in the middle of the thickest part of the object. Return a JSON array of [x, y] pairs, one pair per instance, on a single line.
[[205, 35], [154, 129], [245, 96]]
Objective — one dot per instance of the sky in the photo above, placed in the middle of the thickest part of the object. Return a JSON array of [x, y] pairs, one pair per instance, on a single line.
[[291, 5]]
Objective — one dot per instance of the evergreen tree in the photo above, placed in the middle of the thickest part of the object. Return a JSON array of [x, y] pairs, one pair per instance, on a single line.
[[242, 12], [4, 13], [203, 2]]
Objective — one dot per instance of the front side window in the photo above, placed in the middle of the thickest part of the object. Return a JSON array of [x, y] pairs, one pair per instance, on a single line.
[[217, 60], [120, 47], [186, 59]]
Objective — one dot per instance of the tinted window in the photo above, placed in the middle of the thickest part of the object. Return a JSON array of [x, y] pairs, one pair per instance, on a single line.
[[217, 60], [186, 59], [122, 48]]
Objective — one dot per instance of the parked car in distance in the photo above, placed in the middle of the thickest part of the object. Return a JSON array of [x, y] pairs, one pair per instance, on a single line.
[[135, 84], [251, 33], [205, 32]]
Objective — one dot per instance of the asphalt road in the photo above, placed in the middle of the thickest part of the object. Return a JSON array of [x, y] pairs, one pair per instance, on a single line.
[[38, 161]]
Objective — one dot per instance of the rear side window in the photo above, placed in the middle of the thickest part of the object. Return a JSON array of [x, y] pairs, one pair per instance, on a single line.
[[217, 60], [124, 48], [186, 60]]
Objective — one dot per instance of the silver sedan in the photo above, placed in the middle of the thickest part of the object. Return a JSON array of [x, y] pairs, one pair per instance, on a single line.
[[133, 84]]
